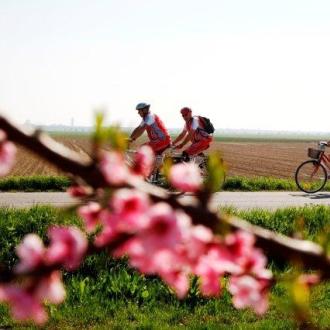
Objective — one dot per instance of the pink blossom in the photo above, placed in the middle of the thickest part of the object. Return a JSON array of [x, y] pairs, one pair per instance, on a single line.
[[23, 305], [139, 257], [114, 168], [90, 213], [127, 214], [171, 267], [50, 288], [240, 243], [255, 263], [179, 281], [144, 160], [68, 246], [162, 229], [110, 228], [129, 201], [197, 242], [31, 252], [7, 157], [243, 253], [78, 191], [248, 292], [157, 248], [210, 266], [185, 177], [210, 283], [130, 205]]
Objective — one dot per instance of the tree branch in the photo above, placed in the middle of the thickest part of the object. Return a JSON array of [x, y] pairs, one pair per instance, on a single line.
[[308, 254]]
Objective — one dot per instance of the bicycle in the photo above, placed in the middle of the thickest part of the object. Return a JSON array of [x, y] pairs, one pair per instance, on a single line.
[[158, 178], [312, 175]]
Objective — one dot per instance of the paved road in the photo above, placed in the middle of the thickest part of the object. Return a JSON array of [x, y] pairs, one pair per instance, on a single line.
[[242, 200]]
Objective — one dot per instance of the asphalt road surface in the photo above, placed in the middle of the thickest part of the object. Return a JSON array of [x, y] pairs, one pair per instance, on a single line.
[[242, 200]]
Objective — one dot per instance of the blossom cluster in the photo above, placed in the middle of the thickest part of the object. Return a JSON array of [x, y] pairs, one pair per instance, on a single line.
[[164, 241], [67, 248], [161, 240]]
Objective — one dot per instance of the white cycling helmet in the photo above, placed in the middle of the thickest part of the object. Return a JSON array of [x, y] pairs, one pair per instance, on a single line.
[[142, 105]]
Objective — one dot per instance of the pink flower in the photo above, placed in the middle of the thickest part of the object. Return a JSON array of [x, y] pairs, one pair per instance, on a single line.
[[243, 253], [129, 201], [50, 288], [185, 177], [197, 242], [179, 281], [78, 191], [90, 213], [114, 168], [248, 292], [240, 243], [210, 283], [110, 230], [68, 247], [210, 266], [7, 156], [23, 305], [144, 160], [31, 252], [156, 248], [130, 205], [162, 229], [171, 267], [139, 257]]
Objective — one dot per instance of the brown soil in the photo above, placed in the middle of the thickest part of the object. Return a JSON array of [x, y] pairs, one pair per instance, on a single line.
[[275, 159]]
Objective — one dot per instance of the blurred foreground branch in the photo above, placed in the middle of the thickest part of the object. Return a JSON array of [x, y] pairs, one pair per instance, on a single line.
[[305, 253]]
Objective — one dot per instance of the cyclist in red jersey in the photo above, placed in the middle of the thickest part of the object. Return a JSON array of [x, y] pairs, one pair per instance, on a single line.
[[159, 138], [193, 131]]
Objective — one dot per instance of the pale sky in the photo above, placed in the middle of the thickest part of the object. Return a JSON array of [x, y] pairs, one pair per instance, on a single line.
[[251, 64]]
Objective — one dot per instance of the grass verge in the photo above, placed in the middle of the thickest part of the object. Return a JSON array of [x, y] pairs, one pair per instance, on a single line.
[[34, 183], [233, 183], [107, 294]]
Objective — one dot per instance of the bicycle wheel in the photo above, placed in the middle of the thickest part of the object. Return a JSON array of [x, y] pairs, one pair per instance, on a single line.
[[311, 176]]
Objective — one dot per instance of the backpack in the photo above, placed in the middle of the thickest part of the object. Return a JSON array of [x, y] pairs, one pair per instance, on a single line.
[[208, 126]]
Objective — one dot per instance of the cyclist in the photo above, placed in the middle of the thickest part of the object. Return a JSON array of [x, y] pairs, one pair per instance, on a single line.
[[194, 132], [159, 138]]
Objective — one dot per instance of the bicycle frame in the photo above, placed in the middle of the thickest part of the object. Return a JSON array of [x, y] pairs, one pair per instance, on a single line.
[[325, 160]]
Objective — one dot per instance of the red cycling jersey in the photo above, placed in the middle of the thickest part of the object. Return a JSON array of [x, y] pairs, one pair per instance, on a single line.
[[201, 139], [157, 132]]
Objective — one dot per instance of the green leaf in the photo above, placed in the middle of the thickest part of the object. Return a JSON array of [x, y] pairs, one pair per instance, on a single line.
[[216, 172], [116, 138]]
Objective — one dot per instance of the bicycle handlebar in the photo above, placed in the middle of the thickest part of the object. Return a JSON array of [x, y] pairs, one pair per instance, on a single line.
[[323, 144]]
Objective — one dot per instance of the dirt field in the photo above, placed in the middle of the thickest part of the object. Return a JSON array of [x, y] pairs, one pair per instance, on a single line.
[[276, 159]]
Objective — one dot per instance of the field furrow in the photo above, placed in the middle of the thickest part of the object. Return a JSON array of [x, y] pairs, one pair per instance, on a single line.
[[275, 159]]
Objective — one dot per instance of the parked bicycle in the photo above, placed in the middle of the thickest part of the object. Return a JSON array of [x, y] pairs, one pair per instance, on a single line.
[[312, 175]]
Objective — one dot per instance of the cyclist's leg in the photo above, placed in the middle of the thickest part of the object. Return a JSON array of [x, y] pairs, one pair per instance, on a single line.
[[197, 147], [158, 147]]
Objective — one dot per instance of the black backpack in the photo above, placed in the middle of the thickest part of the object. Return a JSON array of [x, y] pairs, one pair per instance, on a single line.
[[208, 126]]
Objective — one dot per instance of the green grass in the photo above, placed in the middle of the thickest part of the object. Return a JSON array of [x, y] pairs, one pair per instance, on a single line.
[[232, 183], [34, 183], [105, 293], [238, 183]]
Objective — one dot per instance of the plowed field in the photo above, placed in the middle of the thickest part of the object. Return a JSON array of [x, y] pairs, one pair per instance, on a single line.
[[275, 159]]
